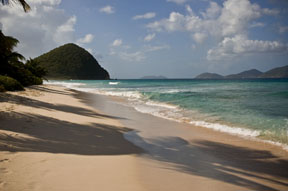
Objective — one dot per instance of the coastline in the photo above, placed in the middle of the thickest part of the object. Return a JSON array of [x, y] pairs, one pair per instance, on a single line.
[[168, 110], [169, 156]]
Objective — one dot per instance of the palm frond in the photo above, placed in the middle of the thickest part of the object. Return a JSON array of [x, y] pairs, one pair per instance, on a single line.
[[25, 5], [15, 56]]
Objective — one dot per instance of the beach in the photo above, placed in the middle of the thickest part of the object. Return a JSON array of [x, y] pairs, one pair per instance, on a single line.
[[55, 138]]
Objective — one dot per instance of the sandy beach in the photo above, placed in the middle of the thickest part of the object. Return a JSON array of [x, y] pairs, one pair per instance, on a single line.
[[54, 138]]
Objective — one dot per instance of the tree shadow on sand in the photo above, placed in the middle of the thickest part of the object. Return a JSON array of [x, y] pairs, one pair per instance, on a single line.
[[56, 136], [227, 163], [49, 90], [21, 100]]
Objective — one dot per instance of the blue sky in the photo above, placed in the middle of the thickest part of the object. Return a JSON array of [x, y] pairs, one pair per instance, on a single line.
[[174, 38]]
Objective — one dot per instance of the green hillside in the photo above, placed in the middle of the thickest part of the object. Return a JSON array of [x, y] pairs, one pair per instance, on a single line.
[[71, 62], [209, 76]]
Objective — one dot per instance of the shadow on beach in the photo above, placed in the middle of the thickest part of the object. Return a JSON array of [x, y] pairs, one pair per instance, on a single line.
[[47, 134], [56, 136], [228, 163], [21, 100]]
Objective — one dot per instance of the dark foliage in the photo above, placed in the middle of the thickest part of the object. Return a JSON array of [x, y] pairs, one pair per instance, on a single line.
[[9, 84], [2, 89], [71, 62], [11, 65], [35, 68], [23, 75]]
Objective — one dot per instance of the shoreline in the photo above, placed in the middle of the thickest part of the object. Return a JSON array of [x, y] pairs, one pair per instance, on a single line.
[[62, 138], [242, 132], [120, 101], [163, 137]]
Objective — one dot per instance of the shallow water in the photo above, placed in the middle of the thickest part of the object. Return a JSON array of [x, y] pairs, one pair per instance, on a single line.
[[256, 108]]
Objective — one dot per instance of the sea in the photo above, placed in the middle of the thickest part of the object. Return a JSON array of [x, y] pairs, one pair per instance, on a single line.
[[248, 108]]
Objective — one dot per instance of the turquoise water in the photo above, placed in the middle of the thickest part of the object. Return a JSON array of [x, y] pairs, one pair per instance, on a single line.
[[246, 107]]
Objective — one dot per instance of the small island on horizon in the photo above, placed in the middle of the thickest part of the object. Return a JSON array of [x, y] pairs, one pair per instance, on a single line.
[[279, 72], [160, 77]]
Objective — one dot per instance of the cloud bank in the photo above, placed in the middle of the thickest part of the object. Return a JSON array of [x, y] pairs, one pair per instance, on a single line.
[[42, 29], [228, 24]]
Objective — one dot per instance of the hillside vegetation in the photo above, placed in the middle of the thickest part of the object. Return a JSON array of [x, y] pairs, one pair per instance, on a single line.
[[71, 62]]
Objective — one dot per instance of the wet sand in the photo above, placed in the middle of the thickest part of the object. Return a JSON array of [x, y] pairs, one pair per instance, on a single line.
[[52, 138], [197, 157]]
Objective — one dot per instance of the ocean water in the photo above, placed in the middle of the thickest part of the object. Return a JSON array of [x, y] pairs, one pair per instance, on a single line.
[[249, 108]]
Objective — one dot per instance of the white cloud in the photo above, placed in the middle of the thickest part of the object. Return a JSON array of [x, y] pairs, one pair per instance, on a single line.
[[148, 15], [132, 56], [240, 46], [149, 37], [46, 2], [175, 22], [43, 28], [226, 24], [236, 16], [40, 30], [233, 18], [64, 32], [155, 48], [117, 42], [177, 1], [88, 38], [136, 56], [107, 9], [189, 9], [212, 11], [199, 37]]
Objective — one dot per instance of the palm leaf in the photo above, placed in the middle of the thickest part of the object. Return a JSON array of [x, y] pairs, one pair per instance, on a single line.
[[25, 5]]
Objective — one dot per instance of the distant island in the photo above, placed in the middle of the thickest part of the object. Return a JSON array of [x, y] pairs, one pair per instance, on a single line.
[[153, 77], [280, 72], [71, 62]]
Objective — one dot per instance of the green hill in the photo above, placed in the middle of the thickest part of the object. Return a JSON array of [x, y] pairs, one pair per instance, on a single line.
[[209, 76], [245, 75], [71, 62], [280, 72]]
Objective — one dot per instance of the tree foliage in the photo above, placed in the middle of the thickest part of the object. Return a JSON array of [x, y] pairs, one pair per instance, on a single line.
[[11, 65], [9, 84], [35, 68]]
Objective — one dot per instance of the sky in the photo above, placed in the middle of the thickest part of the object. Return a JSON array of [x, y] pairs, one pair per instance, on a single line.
[[173, 38]]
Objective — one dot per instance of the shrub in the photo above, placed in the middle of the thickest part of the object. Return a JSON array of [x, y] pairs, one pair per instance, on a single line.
[[34, 67], [10, 84], [23, 75], [2, 89]]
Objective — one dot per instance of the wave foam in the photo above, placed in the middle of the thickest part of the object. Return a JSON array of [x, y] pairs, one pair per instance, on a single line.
[[71, 85], [113, 83], [227, 129]]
